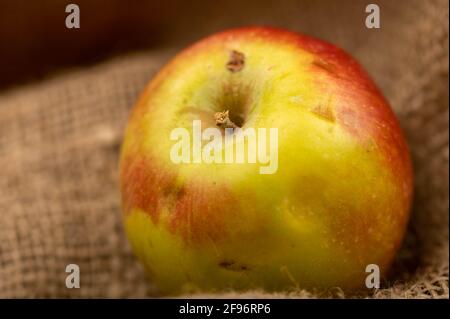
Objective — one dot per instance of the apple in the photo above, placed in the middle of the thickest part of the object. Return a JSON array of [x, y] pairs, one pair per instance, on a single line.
[[339, 199]]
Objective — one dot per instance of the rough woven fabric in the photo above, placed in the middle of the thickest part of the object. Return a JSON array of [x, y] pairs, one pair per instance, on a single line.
[[59, 145]]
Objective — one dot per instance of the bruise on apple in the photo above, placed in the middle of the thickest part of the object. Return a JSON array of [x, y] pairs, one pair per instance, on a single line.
[[325, 112], [325, 66], [143, 186], [236, 61], [232, 265], [192, 214]]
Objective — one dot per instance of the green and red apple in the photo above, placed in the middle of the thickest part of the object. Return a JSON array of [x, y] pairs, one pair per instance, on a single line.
[[339, 200]]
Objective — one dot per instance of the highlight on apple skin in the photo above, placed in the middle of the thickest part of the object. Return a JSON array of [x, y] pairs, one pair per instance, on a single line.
[[339, 200]]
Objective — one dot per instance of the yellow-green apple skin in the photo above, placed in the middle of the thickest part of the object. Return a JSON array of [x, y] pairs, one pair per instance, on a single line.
[[339, 200]]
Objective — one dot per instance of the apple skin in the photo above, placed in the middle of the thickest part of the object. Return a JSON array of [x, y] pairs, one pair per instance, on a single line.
[[339, 201]]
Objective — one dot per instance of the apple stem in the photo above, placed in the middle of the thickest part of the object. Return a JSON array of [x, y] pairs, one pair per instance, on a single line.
[[223, 120]]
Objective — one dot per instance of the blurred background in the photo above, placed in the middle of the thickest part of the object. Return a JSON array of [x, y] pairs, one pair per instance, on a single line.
[[34, 41]]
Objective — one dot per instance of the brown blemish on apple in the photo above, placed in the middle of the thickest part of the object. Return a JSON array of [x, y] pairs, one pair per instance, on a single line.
[[236, 61], [171, 194], [325, 112], [326, 66], [233, 266]]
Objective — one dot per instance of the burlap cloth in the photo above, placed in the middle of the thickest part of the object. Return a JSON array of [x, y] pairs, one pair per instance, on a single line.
[[59, 144]]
